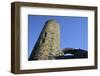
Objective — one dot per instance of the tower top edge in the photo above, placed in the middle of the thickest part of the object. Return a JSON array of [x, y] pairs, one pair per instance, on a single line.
[[51, 21]]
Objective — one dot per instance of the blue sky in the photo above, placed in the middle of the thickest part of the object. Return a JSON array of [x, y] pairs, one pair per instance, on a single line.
[[73, 30]]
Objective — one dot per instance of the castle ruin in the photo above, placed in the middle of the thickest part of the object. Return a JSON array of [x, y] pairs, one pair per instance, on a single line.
[[47, 46]]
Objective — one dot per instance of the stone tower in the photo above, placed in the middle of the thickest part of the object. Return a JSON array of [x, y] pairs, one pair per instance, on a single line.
[[47, 46]]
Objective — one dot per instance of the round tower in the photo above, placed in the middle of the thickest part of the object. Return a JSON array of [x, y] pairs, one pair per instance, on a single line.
[[48, 43]]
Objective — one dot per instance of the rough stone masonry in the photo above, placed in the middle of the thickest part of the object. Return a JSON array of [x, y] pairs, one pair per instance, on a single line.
[[47, 46]]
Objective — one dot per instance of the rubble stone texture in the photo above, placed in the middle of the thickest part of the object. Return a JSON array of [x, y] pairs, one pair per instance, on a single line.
[[47, 46]]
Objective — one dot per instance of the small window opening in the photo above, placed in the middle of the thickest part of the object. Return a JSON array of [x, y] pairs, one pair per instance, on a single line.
[[43, 40], [45, 34]]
